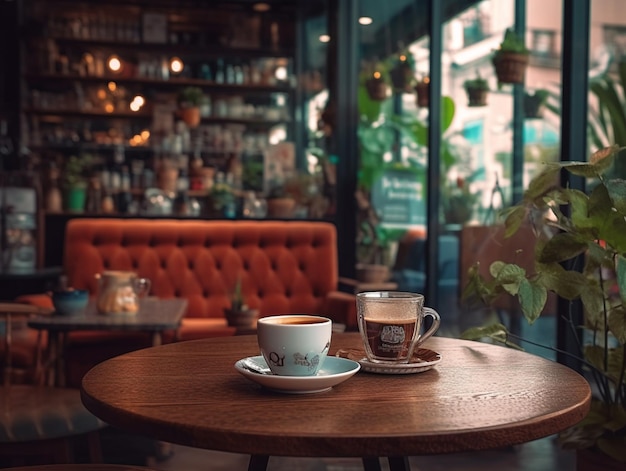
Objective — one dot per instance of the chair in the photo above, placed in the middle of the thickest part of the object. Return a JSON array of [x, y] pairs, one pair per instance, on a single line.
[[40, 423], [410, 270]]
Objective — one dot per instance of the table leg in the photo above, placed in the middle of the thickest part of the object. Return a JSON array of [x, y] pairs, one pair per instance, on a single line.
[[156, 339], [258, 462], [371, 464], [52, 356], [399, 463]]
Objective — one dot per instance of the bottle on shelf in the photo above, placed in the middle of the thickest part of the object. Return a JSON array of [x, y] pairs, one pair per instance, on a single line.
[[124, 196]]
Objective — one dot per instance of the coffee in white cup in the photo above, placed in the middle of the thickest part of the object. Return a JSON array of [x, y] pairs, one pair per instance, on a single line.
[[294, 344]]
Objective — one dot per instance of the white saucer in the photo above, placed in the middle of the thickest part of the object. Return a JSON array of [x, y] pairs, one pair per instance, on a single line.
[[334, 371], [424, 360]]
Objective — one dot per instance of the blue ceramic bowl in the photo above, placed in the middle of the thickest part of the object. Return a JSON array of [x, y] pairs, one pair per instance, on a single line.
[[70, 301]]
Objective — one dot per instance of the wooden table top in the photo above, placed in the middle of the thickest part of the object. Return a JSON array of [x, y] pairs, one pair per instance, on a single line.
[[479, 397], [154, 314]]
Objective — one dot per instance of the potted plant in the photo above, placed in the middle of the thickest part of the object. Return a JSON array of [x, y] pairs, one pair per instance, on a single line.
[[189, 99], [402, 73], [376, 81], [74, 182], [477, 90], [533, 103], [280, 204], [511, 59], [586, 231], [239, 314], [422, 90]]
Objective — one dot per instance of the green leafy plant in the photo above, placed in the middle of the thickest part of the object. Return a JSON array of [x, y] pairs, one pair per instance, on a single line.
[[476, 83], [588, 231], [237, 300], [511, 59], [607, 114], [75, 170], [512, 42], [190, 97]]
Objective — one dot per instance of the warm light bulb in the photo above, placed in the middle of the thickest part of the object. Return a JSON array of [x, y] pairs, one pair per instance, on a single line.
[[377, 75], [402, 58], [426, 80], [102, 93], [134, 106], [109, 108], [139, 100], [176, 65], [324, 38], [281, 73], [261, 7], [145, 134], [112, 86], [114, 63], [365, 20]]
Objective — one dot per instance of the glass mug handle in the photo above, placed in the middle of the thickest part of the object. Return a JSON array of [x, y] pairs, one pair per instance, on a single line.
[[420, 338], [142, 286]]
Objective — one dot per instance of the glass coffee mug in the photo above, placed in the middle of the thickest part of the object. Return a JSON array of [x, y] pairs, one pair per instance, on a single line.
[[390, 323]]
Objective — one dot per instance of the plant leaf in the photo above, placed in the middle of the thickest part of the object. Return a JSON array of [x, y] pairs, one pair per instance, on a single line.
[[617, 323], [621, 276], [617, 193], [532, 297], [563, 246], [544, 182]]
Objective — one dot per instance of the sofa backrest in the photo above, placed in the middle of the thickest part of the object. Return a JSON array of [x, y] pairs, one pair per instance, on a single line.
[[285, 266]]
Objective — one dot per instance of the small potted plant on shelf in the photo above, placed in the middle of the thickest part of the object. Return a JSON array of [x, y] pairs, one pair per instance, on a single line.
[[280, 204], [477, 90], [239, 314], [422, 90], [189, 99], [511, 59], [581, 257], [533, 103], [74, 182]]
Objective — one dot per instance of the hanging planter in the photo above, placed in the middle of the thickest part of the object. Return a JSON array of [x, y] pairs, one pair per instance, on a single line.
[[477, 91], [511, 59], [422, 90], [402, 75], [377, 87], [533, 103]]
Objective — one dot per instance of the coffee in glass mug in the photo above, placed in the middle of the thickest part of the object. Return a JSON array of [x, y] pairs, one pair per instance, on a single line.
[[390, 324]]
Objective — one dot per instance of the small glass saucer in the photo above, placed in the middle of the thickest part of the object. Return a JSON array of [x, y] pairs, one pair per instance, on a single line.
[[423, 360], [333, 372]]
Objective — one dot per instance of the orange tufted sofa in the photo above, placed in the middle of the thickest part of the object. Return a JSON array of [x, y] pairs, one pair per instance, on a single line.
[[285, 267]]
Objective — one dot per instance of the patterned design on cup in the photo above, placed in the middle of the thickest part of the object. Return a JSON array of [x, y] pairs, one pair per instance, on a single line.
[[390, 323], [390, 338], [294, 345]]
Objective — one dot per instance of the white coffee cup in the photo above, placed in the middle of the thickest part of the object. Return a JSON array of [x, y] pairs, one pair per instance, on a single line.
[[294, 344]]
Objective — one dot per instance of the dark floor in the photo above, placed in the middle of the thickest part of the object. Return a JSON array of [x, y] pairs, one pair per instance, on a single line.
[[541, 455]]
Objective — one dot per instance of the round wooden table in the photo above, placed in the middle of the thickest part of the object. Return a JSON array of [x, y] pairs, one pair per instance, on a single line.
[[478, 397]]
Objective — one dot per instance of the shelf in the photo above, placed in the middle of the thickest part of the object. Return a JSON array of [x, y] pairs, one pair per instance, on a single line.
[[201, 50], [172, 83], [252, 121], [89, 147], [88, 114]]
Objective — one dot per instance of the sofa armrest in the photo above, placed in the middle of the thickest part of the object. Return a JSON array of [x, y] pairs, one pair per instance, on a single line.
[[40, 300], [341, 308]]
